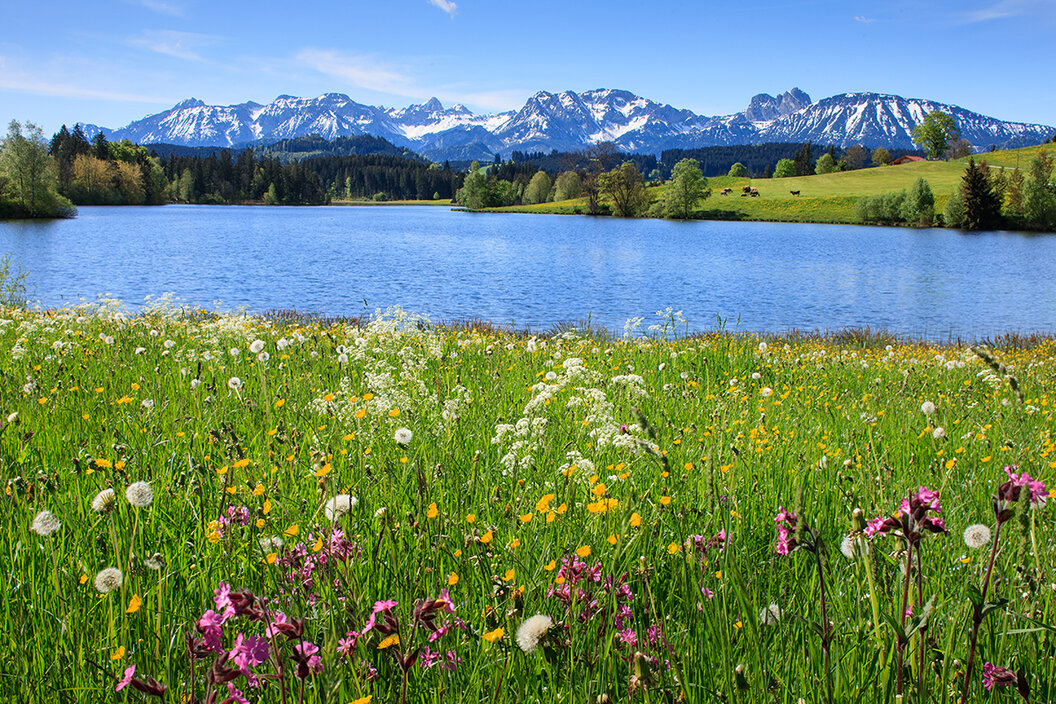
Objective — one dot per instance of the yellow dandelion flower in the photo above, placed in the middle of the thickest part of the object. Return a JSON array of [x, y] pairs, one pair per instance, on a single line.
[[493, 636], [134, 604], [583, 551], [394, 413], [271, 558], [527, 517], [292, 530], [636, 520], [665, 500], [394, 639], [543, 504], [118, 654], [510, 575], [433, 511], [452, 579], [673, 548], [486, 538], [613, 539], [550, 566]]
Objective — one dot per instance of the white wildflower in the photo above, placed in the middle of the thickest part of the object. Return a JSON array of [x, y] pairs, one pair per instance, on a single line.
[[939, 433], [234, 383], [257, 346], [403, 436], [927, 408]]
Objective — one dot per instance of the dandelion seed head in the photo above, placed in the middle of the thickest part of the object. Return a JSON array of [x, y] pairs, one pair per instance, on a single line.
[[403, 436], [263, 357], [139, 494], [927, 408], [269, 545], [45, 523], [257, 346], [381, 513], [939, 433], [339, 506], [104, 501], [233, 352], [532, 631], [108, 580], [155, 562], [977, 535], [770, 616], [234, 383]]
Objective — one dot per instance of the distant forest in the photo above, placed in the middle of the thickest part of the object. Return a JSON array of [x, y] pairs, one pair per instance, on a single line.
[[312, 170]]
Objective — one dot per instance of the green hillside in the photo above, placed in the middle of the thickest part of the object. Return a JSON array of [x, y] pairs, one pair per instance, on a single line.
[[822, 198]]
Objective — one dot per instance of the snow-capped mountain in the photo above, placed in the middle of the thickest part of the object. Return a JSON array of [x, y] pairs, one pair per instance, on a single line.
[[570, 120]]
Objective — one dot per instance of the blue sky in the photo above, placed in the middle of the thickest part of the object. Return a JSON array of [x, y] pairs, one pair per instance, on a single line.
[[115, 61]]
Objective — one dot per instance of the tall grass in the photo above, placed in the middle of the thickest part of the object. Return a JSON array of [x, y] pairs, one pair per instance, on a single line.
[[625, 488]]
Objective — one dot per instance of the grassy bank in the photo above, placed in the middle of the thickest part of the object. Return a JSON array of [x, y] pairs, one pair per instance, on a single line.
[[461, 515], [827, 198]]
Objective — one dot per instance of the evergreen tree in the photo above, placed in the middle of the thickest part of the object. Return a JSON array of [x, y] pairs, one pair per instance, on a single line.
[[982, 209], [100, 147], [803, 161]]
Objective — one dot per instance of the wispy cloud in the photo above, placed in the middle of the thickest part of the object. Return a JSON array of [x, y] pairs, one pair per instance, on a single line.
[[1003, 9], [35, 85], [864, 20], [182, 45], [159, 6], [446, 5], [360, 71], [374, 74]]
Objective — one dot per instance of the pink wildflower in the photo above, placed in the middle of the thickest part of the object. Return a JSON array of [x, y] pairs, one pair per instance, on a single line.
[[127, 679]]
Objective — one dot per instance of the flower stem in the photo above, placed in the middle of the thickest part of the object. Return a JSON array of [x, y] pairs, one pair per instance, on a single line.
[[977, 616]]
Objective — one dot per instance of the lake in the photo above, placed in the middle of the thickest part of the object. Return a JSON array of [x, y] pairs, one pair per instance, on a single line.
[[538, 270]]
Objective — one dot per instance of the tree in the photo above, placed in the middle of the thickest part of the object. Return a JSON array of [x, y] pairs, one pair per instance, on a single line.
[[31, 173], [100, 147], [538, 190], [804, 161], [738, 170], [935, 133], [919, 205], [473, 193], [1039, 198], [958, 149], [982, 209], [625, 187], [854, 158], [785, 168], [826, 164], [688, 186], [881, 157], [567, 186]]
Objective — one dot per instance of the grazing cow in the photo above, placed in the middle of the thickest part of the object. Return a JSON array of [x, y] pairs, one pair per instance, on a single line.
[[795, 193], [747, 189], [725, 191], [754, 193]]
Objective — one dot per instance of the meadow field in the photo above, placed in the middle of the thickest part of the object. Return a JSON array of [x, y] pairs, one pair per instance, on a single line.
[[224, 508], [824, 198]]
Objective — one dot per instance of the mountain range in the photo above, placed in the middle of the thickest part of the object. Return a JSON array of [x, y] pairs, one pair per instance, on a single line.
[[571, 121]]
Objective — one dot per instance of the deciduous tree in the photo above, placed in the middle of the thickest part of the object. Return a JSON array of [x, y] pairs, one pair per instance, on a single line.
[[30, 172], [785, 168], [826, 164], [935, 133], [881, 157], [738, 170], [687, 187], [538, 190], [625, 187], [567, 186]]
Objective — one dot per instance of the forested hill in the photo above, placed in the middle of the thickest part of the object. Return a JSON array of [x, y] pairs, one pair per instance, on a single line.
[[759, 159]]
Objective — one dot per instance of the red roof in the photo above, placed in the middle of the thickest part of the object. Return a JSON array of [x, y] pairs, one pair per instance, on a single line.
[[906, 160]]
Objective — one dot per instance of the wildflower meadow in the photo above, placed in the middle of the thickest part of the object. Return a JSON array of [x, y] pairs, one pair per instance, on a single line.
[[224, 508]]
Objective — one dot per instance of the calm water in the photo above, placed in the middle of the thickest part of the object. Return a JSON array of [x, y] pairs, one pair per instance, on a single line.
[[537, 270]]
